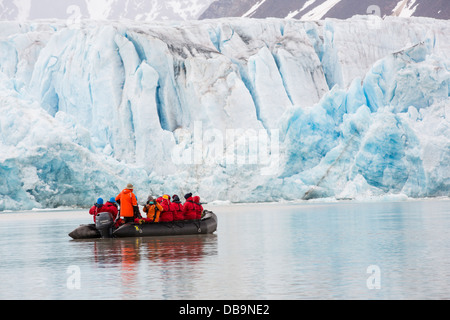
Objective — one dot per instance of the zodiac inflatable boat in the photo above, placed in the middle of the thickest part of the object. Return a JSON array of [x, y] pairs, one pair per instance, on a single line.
[[103, 228]]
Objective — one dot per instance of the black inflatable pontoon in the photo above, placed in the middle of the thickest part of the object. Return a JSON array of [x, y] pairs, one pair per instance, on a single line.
[[208, 224], [85, 231]]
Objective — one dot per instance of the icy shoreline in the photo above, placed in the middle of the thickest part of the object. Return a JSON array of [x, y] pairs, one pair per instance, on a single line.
[[224, 204]]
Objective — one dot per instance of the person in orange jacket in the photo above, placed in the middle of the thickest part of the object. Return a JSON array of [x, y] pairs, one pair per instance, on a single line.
[[153, 210], [129, 209]]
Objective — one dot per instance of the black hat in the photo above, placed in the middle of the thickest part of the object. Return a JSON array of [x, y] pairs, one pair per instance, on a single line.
[[188, 195], [175, 198]]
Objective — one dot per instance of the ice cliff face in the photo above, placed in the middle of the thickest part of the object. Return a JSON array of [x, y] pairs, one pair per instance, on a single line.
[[231, 109]]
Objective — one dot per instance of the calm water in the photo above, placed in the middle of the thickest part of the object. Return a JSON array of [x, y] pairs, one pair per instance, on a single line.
[[302, 251]]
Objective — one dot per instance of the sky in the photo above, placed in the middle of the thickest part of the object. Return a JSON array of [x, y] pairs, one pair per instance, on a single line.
[[102, 9]]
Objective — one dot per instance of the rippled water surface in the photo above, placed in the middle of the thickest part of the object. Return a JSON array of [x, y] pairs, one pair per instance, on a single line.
[[396, 250]]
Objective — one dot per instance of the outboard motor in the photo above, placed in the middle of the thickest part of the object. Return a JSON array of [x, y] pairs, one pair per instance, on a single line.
[[104, 223], [206, 214]]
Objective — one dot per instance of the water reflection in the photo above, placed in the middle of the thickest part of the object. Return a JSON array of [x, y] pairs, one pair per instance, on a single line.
[[258, 252], [163, 250], [158, 265]]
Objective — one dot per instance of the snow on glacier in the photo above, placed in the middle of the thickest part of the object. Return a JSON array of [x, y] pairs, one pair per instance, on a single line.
[[232, 109]]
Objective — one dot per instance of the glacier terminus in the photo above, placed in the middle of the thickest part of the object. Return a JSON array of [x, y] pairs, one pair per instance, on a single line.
[[234, 109]]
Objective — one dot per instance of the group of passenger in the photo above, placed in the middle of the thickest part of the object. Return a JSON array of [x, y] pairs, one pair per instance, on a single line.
[[161, 209], [168, 209], [110, 206]]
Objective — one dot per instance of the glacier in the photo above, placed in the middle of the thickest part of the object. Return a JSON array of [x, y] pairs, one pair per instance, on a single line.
[[233, 109]]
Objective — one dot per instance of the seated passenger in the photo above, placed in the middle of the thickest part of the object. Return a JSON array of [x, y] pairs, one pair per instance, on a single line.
[[153, 210], [177, 208], [97, 208], [111, 207], [166, 214], [198, 207], [189, 208]]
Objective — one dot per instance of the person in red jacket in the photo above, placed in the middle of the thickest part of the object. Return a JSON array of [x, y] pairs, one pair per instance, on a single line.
[[177, 208], [189, 208], [111, 207], [166, 214], [97, 208], [198, 207]]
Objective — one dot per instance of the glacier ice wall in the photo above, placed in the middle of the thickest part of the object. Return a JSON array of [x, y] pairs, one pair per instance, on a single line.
[[231, 109]]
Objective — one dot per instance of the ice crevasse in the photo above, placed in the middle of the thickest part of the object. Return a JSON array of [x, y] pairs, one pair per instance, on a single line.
[[232, 109]]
